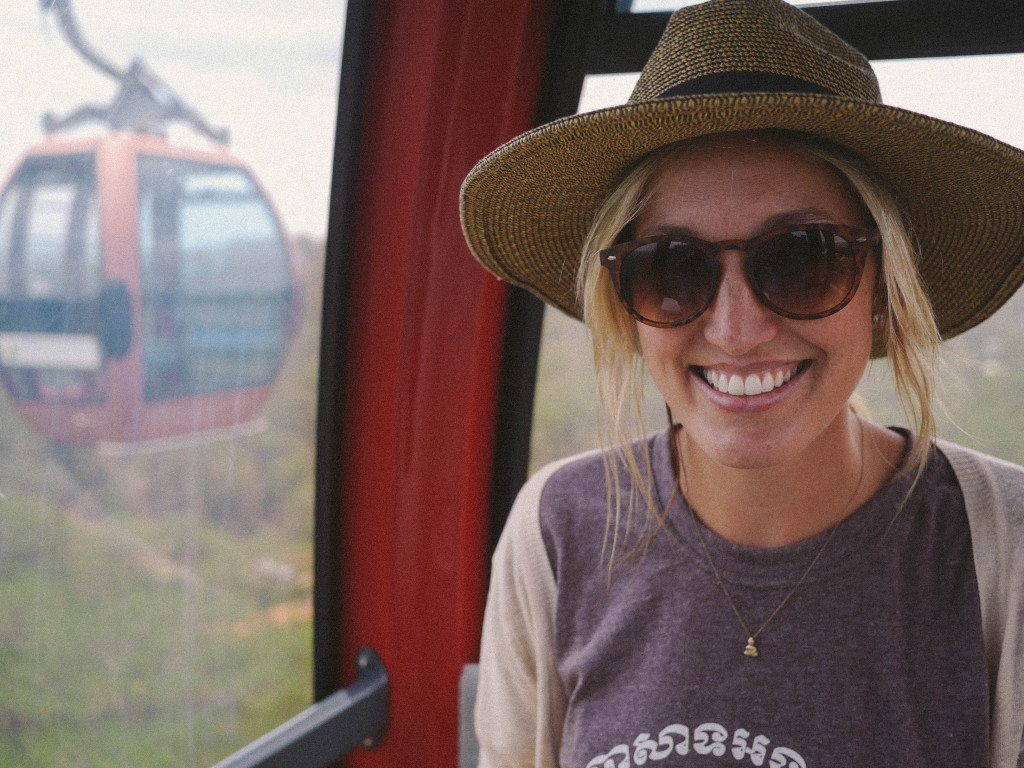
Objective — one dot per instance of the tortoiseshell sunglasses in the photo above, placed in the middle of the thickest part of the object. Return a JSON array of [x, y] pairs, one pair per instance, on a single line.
[[803, 272]]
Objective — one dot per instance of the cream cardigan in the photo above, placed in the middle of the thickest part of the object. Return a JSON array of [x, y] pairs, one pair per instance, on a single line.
[[520, 699]]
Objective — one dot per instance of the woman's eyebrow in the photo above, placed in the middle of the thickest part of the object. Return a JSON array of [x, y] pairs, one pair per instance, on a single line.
[[798, 216], [672, 230]]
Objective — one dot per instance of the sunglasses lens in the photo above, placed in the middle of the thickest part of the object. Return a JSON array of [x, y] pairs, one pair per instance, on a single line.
[[807, 273], [668, 281]]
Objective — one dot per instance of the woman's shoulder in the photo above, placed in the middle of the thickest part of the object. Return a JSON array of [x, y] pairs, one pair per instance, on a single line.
[[581, 482], [571, 484], [567, 498], [994, 495], [567, 469], [977, 470], [993, 491], [559, 476]]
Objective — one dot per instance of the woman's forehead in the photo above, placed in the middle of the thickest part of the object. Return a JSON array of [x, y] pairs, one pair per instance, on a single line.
[[753, 152], [742, 183]]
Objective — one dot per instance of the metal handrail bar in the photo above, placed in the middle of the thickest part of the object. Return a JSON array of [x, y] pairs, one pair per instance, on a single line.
[[352, 717]]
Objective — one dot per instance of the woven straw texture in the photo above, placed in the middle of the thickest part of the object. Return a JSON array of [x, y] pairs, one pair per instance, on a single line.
[[776, 38], [526, 207]]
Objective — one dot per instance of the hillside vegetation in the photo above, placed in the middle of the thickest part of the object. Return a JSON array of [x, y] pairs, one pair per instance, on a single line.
[[155, 609]]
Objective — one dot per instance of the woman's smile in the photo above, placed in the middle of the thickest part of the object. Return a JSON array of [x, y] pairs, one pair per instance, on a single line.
[[748, 384]]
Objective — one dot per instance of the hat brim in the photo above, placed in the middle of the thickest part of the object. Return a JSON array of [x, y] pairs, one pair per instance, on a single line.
[[527, 207]]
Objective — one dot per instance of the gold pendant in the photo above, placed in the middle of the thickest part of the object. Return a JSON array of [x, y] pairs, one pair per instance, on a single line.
[[751, 649]]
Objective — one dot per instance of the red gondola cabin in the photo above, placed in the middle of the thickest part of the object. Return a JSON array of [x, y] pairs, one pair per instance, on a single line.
[[145, 289]]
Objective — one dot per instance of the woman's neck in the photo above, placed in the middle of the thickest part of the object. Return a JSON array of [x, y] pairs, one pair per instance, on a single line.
[[798, 499]]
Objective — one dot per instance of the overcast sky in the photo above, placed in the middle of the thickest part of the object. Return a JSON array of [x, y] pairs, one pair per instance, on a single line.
[[266, 69]]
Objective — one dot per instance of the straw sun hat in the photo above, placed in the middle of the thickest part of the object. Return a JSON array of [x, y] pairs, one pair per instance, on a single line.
[[736, 65]]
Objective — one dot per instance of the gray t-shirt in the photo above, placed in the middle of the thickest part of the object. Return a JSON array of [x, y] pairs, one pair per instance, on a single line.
[[876, 660]]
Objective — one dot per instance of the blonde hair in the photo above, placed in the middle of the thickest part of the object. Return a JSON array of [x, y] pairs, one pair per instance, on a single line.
[[907, 333]]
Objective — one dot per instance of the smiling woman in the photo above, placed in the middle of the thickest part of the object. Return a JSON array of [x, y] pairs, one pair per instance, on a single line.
[[750, 229]]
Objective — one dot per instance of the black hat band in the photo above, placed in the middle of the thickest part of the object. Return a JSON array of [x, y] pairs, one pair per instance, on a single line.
[[743, 82]]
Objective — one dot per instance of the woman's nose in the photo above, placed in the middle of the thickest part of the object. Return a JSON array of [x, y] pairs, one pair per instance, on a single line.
[[737, 322]]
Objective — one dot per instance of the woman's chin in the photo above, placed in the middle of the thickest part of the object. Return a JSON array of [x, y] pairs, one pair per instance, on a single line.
[[741, 450]]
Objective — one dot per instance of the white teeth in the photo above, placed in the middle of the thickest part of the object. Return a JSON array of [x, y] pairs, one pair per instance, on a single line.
[[753, 384]]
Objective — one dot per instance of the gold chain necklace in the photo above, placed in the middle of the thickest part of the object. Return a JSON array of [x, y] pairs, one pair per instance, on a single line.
[[751, 647]]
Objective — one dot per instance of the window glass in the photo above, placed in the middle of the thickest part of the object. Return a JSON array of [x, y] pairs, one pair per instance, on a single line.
[[47, 230], [49, 247], [9, 203], [159, 334], [49, 259], [983, 369], [216, 279]]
